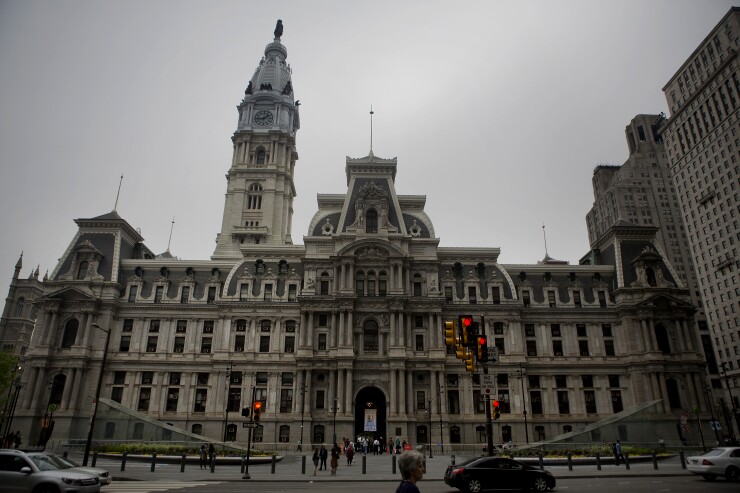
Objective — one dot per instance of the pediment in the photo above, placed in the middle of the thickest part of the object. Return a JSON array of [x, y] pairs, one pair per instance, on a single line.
[[664, 302], [69, 293]]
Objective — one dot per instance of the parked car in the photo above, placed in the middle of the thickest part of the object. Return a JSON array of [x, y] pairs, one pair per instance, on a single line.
[[497, 473], [62, 463], [721, 461], [21, 472]]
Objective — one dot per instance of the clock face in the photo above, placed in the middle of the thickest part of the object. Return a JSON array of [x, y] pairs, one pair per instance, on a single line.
[[263, 118]]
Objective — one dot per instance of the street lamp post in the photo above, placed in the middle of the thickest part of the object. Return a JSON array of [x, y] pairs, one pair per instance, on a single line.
[[88, 444], [8, 406], [441, 433], [334, 434], [303, 408], [226, 412], [522, 373], [429, 407], [723, 369]]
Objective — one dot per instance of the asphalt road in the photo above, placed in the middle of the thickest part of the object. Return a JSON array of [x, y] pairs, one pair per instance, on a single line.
[[675, 484]]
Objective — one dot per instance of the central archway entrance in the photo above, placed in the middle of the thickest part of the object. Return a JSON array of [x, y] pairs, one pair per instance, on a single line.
[[370, 414]]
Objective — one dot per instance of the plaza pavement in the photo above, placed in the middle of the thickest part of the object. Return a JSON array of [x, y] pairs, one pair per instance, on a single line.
[[377, 468]]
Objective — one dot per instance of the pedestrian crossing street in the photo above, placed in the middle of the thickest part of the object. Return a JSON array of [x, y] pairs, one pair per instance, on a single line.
[[154, 486]]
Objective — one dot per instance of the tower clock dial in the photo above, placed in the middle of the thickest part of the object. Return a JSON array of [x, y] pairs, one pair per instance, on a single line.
[[263, 118]]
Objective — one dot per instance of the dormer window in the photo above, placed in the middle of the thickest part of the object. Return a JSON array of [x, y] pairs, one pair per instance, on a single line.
[[371, 221], [82, 270]]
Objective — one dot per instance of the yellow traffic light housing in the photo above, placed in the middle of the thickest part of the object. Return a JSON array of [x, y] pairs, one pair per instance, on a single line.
[[450, 335], [465, 324], [257, 410], [482, 349], [469, 362]]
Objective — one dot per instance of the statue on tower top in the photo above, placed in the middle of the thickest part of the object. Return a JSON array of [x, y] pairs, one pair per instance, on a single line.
[[279, 29]]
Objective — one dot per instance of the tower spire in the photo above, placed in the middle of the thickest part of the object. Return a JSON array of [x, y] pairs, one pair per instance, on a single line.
[[172, 227], [18, 266], [371, 129], [544, 234], [115, 206]]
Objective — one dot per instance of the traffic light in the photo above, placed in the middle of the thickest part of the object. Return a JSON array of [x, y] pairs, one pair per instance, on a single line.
[[257, 410], [450, 336], [469, 362], [482, 349], [459, 352], [245, 412], [496, 409], [466, 329]]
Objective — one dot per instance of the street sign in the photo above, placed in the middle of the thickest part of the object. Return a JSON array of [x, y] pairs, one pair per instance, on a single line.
[[52, 408], [716, 426], [250, 425], [492, 354], [487, 384]]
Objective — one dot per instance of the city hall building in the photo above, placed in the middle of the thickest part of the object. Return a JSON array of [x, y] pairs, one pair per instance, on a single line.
[[347, 328]]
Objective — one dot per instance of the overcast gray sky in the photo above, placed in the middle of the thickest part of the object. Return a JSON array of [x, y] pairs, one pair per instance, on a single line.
[[497, 111]]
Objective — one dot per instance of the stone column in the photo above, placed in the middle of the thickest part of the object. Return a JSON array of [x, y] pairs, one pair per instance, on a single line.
[[40, 388], [29, 388], [442, 393], [409, 391], [402, 391], [433, 390], [309, 331], [68, 383], [74, 402], [307, 401], [348, 391], [53, 328], [83, 336], [340, 390], [394, 401]]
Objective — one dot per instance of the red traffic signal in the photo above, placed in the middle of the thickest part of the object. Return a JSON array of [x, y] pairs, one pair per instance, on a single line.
[[482, 348], [496, 409], [257, 410], [465, 326]]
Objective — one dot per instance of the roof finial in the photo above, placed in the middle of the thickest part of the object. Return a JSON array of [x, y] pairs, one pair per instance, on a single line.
[[544, 234], [119, 193], [278, 29], [371, 129], [171, 228]]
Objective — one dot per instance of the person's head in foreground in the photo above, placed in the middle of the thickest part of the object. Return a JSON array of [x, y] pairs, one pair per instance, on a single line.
[[411, 464]]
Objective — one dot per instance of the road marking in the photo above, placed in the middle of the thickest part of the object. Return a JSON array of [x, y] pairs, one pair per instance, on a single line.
[[152, 486]]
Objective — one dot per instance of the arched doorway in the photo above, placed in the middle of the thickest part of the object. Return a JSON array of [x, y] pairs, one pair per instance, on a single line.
[[370, 413]]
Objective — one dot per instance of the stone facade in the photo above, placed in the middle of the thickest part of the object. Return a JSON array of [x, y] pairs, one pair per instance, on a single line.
[[351, 321]]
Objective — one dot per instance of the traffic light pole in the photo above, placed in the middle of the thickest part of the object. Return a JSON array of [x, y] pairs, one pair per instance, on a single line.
[[249, 437], [489, 421]]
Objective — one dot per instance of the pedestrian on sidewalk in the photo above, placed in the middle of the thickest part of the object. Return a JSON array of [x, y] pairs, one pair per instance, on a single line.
[[617, 447], [203, 455], [315, 460], [323, 454], [411, 465], [334, 459], [350, 454]]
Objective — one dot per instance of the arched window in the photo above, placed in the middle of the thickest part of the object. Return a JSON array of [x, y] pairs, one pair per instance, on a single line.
[[284, 433], [661, 336], [254, 196], [70, 333], [674, 396], [231, 433], [324, 284], [261, 156], [139, 431], [197, 429], [82, 270], [505, 433], [371, 221], [110, 430], [318, 434], [480, 434], [539, 432], [650, 274], [370, 337], [19, 306], [455, 436], [360, 283], [567, 428], [57, 389]]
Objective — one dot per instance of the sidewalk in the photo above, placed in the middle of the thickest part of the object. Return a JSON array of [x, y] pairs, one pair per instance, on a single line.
[[378, 468]]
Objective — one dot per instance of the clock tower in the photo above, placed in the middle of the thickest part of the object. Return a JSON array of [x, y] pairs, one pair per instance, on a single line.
[[259, 193]]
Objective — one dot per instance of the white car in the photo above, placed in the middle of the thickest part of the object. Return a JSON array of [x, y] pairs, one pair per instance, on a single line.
[[22, 472], [721, 461], [62, 463]]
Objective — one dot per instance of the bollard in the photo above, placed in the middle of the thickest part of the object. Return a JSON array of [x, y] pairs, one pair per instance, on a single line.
[[452, 457], [511, 455], [94, 459], [303, 464], [244, 461], [598, 461], [542, 463], [272, 465], [393, 464], [627, 461], [154, 462], [570, 460], [683, 459], [123, 461], [213, 463], [655, 460], [182, 463], [65, 454], [364, 464]]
